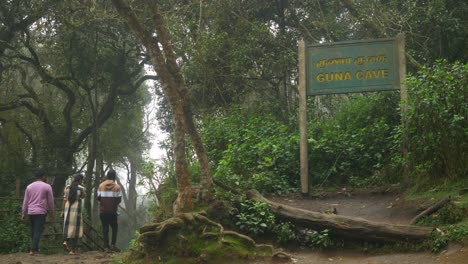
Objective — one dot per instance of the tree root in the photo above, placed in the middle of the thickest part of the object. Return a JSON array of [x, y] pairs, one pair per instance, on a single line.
[[152, 234], [281, 256]]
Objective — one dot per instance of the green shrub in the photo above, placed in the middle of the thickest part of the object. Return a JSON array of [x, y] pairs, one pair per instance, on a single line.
[[255, 218], [353, 145], [316, 239], [437, 123], [457, 232], [440, 239], [14, 235], [438, 242], [267, 182], [284, 232], [253, 151]]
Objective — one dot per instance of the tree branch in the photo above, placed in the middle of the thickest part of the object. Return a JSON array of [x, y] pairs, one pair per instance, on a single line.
[[137, 84], [377, 31]]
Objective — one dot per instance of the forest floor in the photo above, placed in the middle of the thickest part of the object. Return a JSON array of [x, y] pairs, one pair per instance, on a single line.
[[390, 207]]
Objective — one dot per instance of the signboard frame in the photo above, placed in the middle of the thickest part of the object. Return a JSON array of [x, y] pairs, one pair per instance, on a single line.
[[342, 67]]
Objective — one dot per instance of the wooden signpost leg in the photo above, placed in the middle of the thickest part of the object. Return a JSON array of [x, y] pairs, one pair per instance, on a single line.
[[303, 120]]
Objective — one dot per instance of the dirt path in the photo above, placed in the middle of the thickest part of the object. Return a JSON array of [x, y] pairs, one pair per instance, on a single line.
[[91, 257], [381, 207], [456, 254], [378, 206]]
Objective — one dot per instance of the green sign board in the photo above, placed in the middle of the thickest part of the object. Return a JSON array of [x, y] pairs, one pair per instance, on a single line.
[[352, 66]]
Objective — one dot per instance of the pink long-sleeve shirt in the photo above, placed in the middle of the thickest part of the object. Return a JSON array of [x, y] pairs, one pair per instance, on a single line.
[[38, 198]]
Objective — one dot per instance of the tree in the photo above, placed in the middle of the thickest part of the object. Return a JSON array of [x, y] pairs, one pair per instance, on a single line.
[[164, 61], [63, 74], [235, 52], [428, 25]]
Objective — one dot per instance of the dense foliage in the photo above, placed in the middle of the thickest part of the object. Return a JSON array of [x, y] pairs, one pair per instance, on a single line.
[[14, 235], [436, 131], [354, 144], [256, 151], [62, 77]]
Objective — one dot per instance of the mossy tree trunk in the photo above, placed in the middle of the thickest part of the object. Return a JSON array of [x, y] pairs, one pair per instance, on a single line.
[[159, 47]]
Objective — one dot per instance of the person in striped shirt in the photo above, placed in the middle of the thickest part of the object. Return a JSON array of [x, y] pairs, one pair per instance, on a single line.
[[109, 195]]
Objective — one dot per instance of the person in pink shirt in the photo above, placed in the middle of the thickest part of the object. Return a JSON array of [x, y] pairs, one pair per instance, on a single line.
[[38, 199]]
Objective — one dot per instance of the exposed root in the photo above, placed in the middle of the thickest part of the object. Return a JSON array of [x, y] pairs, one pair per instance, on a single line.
[[265, 246], [244, 237], [206, 220], [153, 233], [282, 256]]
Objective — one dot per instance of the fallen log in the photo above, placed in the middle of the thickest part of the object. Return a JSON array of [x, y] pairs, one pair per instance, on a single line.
[[350, 227], [432, 209]]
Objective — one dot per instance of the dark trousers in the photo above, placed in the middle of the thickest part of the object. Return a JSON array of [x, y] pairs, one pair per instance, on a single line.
[[37, 226], [106, 221]]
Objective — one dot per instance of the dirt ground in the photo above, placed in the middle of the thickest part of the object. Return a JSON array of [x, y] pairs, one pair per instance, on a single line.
[[90, 257], [377, 206], [455, 254]]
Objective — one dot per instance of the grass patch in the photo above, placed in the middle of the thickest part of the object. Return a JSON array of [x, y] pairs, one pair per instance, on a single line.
[[431, 195]]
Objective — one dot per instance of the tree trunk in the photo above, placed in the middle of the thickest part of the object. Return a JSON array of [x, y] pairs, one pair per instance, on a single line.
[[132, 194], [350, 227], [184, 202], [97, 180], [182, 92], [89, 178], [131, 205], [206, 179], [164, 61], [63, 169]]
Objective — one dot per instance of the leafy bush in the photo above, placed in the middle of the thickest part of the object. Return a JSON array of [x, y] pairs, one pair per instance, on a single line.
[[253, 151], [316, 239], [255, 217], [266, 182], [437, 123], [438, 242], [13, 233], [440, 239], [457, 232], [354, 144], [284, 232]]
